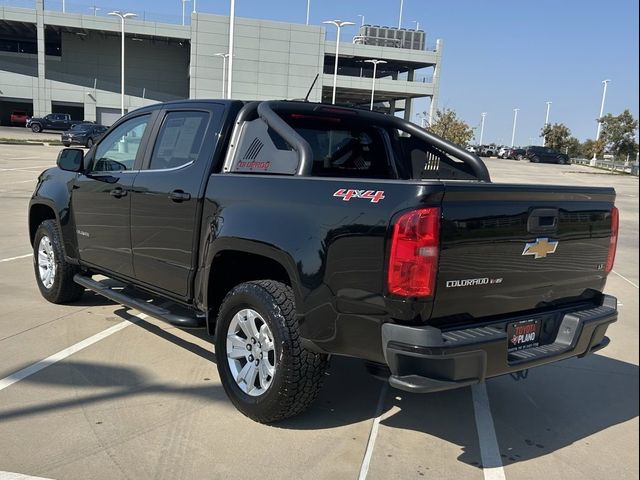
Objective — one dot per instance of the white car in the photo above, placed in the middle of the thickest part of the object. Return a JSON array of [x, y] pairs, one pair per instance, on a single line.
[[503, 152]]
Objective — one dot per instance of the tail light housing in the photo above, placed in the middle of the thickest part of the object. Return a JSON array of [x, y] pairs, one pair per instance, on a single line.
[[413, 260], [613, 240]]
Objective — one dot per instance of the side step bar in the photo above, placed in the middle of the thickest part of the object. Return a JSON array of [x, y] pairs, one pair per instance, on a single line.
[[184, 321]]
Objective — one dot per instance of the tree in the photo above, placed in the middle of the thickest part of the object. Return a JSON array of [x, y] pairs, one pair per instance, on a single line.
[[618, 134], [573, 147], [556, 136], [592, 147], [447, 125]]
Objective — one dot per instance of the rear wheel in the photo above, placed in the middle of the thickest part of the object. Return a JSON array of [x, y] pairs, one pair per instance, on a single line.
[[264, 369], [535, 159], [54, 275], [66, 144], [36, 128]]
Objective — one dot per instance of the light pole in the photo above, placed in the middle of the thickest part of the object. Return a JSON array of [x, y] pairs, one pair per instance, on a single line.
[[546, 122], [339, 24], [194, 6], [483, 115], [308, 10], [604, 95], [417, 24], [224, 69], [122, 16], [232, 22], [400, 17], [95, 10], [361, 19], [375, 63], [515, 121], [184, 2]]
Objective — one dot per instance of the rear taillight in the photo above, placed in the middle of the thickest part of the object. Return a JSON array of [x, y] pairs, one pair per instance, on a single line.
[[613, 240], [413, 261]]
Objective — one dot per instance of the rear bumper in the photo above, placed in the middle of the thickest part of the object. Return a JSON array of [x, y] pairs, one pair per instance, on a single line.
[[427, 359]]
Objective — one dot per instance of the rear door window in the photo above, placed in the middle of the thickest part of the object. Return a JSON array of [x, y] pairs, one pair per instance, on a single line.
[[179, 140]]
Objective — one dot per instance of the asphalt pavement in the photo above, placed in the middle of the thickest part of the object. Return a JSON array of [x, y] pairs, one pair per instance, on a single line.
[[109, 393]]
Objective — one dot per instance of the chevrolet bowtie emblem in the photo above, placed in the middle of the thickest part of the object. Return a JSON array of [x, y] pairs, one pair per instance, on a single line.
[[540, 248]]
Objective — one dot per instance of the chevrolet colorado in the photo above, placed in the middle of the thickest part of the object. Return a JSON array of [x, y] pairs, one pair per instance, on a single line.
[[294, 231]]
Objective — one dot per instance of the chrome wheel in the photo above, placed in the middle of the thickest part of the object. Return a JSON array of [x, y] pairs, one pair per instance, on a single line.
[[251, 352], [46, 262]]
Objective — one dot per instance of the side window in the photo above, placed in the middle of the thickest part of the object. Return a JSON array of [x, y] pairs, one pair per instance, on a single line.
[[179, 140], [118, 150]]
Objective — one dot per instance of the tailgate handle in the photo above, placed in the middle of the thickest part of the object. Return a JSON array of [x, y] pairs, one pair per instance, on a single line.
[[543, 220]]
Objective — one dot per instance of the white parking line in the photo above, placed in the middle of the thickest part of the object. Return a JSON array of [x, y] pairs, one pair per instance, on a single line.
[[15, 258], [366, 461], [24, 169], [19, 476], [489, 450], [61, 355], [625, 278]]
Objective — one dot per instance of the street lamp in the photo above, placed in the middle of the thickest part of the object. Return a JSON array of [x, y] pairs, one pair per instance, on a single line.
[[483, 114], [546, 122], [194, 6], [339, 24], [417, 24], [362, 19], [122, 16], [95, 10], [400, 18], [224, 69], [604, 95], [184, 2], [515, 120], [308, 10], [375, 63]]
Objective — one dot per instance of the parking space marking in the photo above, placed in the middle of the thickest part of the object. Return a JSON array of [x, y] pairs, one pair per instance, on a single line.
[[19, 476], [24, 169], [492, 468], [366, 461], [61, 355], [15, 258], [625, 278]]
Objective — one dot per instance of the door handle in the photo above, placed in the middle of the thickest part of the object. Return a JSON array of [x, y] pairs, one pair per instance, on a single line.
[[179, 196], [118, 192]]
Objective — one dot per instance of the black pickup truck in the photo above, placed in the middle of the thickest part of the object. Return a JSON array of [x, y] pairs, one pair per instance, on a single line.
[[293, 231], [53, 121]]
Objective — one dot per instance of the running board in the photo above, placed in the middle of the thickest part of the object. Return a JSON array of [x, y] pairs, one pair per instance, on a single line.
[[184, 321]]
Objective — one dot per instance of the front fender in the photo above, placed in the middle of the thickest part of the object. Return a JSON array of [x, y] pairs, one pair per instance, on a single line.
[[53, 190]]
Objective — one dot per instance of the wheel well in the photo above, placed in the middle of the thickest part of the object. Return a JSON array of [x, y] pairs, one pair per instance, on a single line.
[[38, 214], [231, 268]]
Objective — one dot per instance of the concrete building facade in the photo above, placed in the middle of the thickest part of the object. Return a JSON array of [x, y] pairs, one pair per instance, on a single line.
[[58, 62]]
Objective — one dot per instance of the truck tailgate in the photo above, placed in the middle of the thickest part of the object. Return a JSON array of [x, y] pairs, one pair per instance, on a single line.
[[512, 248]]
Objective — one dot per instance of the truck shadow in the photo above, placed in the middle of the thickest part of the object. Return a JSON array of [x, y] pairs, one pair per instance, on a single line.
[[557, 405]]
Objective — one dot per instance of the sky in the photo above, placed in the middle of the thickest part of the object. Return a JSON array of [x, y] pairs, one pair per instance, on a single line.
[[498, 55]]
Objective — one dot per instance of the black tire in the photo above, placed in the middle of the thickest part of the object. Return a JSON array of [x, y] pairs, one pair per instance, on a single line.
[[36, 128], [66, 144], [298, 372], [63, 289], [535, 159], [89, 143], [520, 157]]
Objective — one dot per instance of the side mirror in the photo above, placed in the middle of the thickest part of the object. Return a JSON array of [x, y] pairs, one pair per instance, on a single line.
[[70, 159]]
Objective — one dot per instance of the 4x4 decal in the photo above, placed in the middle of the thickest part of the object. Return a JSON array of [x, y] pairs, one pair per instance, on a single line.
[[371, 195]]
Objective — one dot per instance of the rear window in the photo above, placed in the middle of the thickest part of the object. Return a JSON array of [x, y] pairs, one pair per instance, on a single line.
[[81, 127]]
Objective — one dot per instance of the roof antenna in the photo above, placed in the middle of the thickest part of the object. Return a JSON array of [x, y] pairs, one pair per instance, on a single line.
[[306, 98]]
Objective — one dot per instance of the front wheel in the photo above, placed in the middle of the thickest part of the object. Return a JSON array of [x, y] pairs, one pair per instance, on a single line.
[[54, 275], [264, 369], [36, 128], [535, 159]]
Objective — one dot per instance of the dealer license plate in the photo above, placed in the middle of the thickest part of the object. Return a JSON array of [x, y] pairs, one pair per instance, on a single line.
[[524, 334]]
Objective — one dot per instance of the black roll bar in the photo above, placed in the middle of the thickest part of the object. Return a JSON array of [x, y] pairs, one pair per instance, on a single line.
[[267, 112]]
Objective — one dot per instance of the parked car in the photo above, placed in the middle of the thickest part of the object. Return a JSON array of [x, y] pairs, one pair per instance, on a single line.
[[83, 134], [53, 121], [472, 149], [295, 231], [503, 152], [516, 153], [19, 118], [488, 150], [537, 154]]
